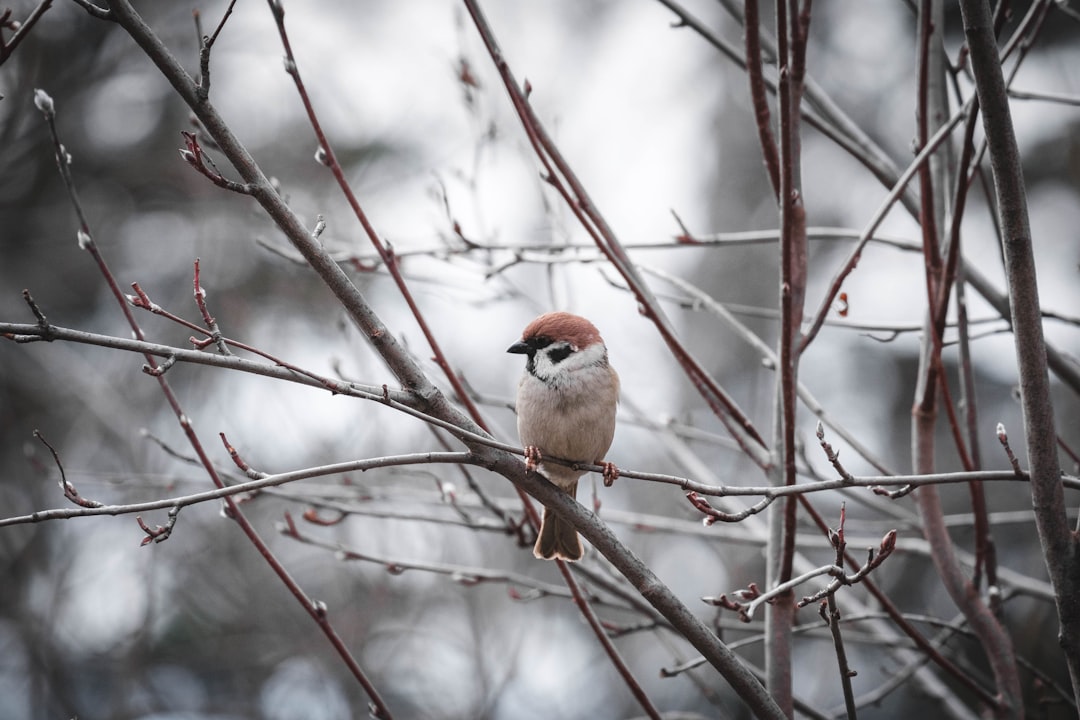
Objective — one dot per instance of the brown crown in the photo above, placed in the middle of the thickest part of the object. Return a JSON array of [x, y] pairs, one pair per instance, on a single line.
[[575, 329]]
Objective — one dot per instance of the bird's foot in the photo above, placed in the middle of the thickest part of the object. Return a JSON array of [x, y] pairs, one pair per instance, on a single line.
[[532, 458], [611, 473]]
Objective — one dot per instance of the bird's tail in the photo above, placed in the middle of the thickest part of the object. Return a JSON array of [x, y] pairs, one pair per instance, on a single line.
[[558, 538]]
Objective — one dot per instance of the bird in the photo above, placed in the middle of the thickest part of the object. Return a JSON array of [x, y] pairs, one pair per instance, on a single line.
[[566, 404]]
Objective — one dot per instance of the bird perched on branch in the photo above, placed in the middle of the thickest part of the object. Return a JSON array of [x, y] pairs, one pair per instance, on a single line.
[[565, 409]]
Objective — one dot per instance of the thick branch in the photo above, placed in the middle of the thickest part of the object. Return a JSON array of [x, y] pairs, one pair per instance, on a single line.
[[1059, 542]]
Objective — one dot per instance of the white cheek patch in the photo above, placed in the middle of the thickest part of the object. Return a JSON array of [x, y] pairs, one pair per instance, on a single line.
[[562, 373]]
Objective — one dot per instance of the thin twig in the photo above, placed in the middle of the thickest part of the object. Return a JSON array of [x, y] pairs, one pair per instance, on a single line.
[[830, 613], [228, 491], [895, 194], [7, 47], [754, 60], [206, 44]]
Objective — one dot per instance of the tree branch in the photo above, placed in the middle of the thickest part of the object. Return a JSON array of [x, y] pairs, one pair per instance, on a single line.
[[1059, 541]]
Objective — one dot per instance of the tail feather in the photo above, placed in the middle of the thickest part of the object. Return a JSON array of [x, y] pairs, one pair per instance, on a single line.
[[558, 538]]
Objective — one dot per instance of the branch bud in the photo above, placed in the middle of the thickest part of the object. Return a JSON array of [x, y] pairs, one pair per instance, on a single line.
[[888, 543], [44, 103]]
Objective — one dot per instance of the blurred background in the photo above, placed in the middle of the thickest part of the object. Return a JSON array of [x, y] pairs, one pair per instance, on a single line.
[[656, 123]]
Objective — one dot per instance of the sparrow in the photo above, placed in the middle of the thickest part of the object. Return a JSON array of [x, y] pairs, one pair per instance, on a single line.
[[565, 409]]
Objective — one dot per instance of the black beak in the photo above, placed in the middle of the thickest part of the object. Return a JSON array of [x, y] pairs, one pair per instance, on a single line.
[[520, 348]]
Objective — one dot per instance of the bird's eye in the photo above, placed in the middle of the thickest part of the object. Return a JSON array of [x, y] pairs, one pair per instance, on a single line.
[[541, 341], [559, 353]]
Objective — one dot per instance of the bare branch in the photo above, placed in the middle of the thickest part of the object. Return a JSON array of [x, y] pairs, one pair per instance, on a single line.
[[22, 29], [228, 491], [1061, 545]]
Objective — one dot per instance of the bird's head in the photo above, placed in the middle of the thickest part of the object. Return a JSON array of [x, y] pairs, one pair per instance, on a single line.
[[559, 343]]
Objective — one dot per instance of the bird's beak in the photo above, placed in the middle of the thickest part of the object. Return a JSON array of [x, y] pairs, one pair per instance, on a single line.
[[519, 348]]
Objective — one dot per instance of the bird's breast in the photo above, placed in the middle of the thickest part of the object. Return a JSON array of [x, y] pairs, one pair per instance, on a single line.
[[574, 420]]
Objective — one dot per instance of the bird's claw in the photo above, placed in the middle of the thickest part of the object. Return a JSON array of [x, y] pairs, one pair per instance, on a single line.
[[532, 458], [611, 473]]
